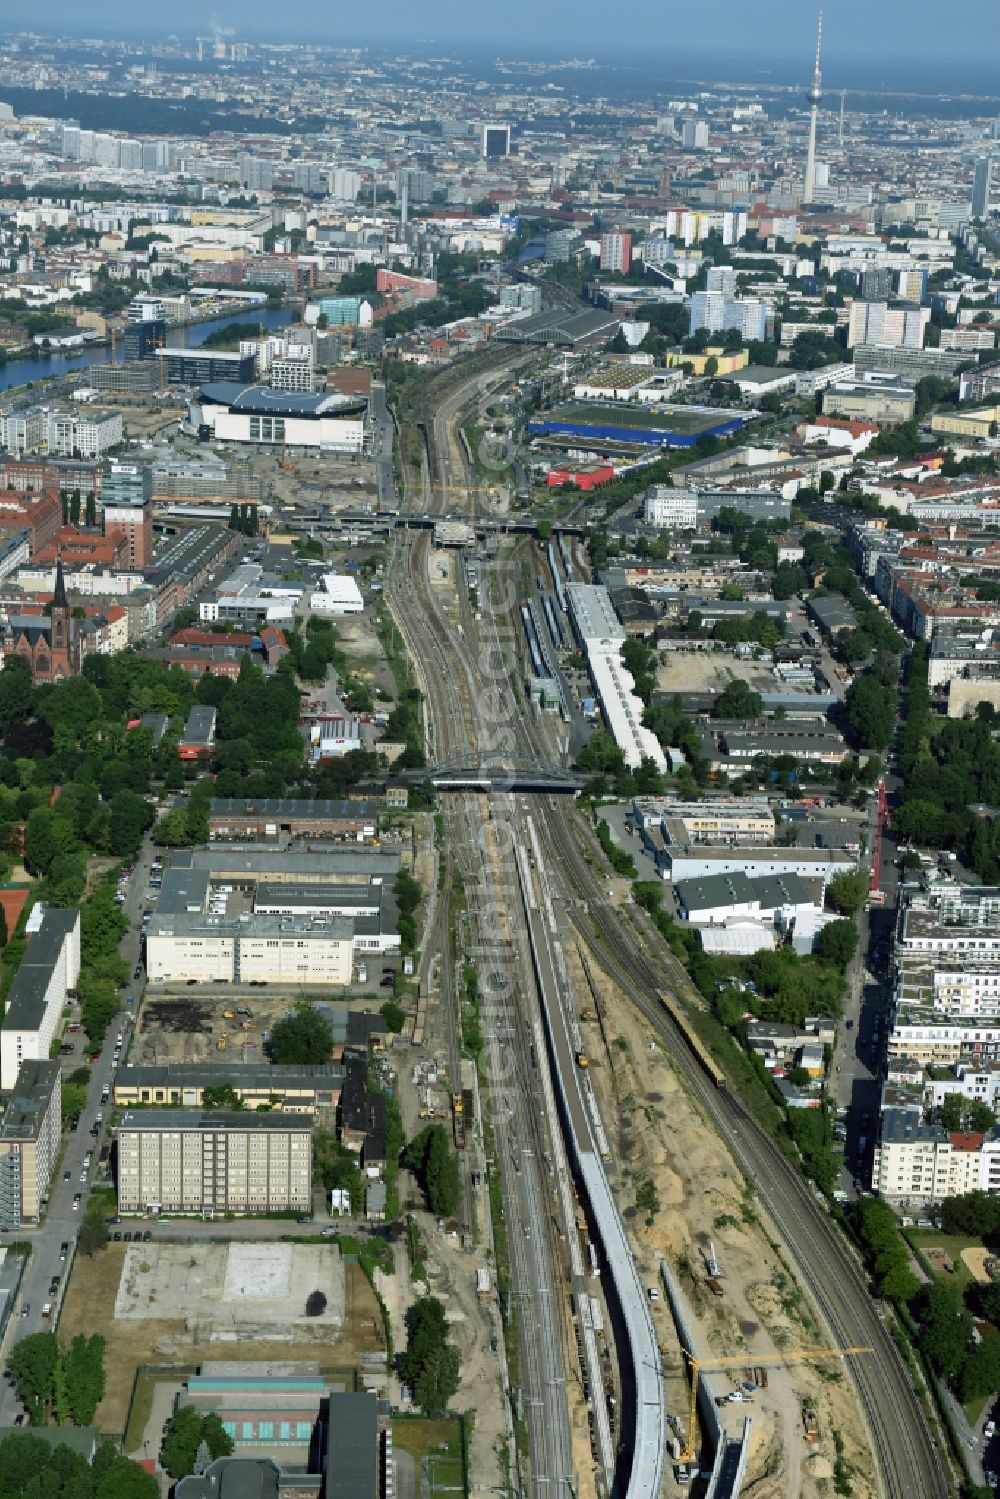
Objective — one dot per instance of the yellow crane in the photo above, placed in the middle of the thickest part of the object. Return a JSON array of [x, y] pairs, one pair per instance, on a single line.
[[790, 1356]]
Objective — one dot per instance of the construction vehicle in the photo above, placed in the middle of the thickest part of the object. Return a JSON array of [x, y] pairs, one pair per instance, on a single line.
[[581, 1059], [810, 1423], [229, 1014], [222, 1042], [695, 1366], [458, 1120]]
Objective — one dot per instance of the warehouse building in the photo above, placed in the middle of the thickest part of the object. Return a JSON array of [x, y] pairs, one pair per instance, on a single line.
[[601, 635], [753, 861], [236, 818], [295, 1090], [233, 412], [214, 1163]]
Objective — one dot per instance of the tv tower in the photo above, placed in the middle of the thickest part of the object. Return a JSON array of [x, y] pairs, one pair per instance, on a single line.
[[815, 96]]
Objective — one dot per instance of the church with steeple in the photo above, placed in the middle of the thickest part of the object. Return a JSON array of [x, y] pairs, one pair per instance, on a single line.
[[52, 644]]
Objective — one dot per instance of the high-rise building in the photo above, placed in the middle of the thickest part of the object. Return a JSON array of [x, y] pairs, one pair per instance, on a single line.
[[982, 187], [616, 251], [29, 1141], [718, 313], [815, 97], [344, 184], [912, 285], [900, 324], [127, 505], [496, 142], [141, 340], [130, 155], [876, 283], [707, 308], [721, 278], [256, 174], [694, 135]]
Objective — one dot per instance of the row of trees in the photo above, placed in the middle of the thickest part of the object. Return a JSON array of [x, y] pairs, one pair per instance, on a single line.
[[59, 1382], [32, 1469]]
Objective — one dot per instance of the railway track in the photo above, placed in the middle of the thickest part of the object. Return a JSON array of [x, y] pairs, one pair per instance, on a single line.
[[907, 1456]]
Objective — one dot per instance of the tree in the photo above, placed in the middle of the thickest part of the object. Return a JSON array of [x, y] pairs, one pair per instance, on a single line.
[[958, 1113], [430, 1364], [83, 1369], [186, 1431], [430, 1156], [33, 1469], [394, 1016], [837, 943], [74, 1100], [32, 1362], [301, 1038], [945, 1328], [738, 700], [315, 1304], [93, 1234], [848, 892]]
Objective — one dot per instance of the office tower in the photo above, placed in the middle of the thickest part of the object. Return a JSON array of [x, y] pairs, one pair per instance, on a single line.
[[71, 141], [130, 155], [982, 187], [616, 251], [496, 141], [814, 96], [404, 198], [840, 132], [694, 135], [127, 505]]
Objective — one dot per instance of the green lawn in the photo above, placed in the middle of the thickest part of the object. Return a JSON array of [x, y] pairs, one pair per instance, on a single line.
[[952, 1245], [678, 419], [440, 1443]]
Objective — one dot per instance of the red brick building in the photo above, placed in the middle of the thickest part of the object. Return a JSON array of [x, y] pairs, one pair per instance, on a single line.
[[40, 513]]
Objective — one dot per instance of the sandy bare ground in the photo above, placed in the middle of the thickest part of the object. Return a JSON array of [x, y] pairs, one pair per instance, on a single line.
[[659, 1135]]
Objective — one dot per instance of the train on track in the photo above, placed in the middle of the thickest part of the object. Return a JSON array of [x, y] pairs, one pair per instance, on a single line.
[[694, 1041]]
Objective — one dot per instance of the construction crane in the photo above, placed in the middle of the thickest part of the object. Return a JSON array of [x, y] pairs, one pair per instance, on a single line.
[[791, 1356]]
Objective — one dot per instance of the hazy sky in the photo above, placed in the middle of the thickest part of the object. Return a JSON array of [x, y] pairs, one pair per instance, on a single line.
[[918, 28]]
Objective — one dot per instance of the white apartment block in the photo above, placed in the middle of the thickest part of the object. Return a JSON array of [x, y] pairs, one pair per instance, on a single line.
[[185, 1161], [918, 1162], [50, 967], [293, 372], [943, 1044], [90, 434], [734, 820], [882, 323], [671, 509], [22, 431], [981, 1085], [30, 1135]]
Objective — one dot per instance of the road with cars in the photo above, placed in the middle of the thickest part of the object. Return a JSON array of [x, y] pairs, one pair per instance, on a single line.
[[54, 1240]]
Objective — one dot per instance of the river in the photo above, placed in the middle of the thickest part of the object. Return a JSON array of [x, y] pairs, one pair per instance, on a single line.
[[43, 366]]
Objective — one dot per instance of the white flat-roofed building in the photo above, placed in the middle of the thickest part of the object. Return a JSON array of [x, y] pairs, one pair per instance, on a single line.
[[730, 820], [671, 509], [754, 861], [601, 636], [186, 1161], [340, 594], [49, 969]]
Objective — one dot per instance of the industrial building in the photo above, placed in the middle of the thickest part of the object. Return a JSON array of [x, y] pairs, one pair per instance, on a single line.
[[30, 1135], [229, 411], [213, 1163], [600, 635], [235, 818], [294, 1090]]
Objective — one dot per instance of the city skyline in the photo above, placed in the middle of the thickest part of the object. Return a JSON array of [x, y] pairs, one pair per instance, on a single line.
[[577, 30]]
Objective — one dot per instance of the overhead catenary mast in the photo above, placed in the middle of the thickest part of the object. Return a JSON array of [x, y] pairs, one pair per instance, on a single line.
[[814, 96]]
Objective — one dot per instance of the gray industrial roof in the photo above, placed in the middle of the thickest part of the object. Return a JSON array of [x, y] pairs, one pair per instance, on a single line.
[[287, 806], [182, 891], [352, 1461], [30, 1100], [262, 400], [200, 724], [225, 1074], [257, 861], [212, 1119]]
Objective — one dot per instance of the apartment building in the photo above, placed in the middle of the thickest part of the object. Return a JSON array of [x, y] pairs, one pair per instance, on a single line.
[[29, 1142], [214, 1162], [50, 967], [917, 1162]]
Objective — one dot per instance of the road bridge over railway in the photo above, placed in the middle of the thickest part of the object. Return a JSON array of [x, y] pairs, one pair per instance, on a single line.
[[504, 778]]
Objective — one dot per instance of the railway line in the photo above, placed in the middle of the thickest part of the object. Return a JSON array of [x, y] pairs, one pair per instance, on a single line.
[[908, 1458]]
